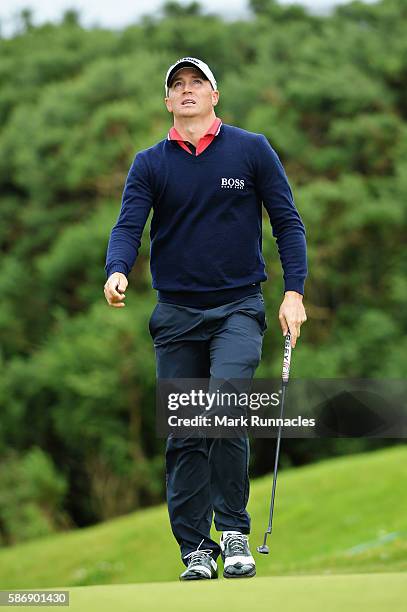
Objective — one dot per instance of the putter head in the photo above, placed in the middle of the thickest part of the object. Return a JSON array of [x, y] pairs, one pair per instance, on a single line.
[[263, 549]]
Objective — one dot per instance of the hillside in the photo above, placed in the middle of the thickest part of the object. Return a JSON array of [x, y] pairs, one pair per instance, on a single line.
[[345, 515]]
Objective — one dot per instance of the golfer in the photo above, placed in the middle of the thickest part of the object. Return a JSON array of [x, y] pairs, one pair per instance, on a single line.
[[207, 182]]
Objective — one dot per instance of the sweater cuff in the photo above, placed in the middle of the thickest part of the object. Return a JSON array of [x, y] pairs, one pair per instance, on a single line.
[[117, 267], [294, 283]]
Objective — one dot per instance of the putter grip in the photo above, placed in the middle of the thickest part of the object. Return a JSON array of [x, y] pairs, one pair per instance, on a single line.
[[286, 358]]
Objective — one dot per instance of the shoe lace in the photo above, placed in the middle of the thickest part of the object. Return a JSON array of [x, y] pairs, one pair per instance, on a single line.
[[196, 556], [236, 542]]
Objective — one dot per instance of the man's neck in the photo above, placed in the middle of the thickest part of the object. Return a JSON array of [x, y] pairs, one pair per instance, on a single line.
[[193, 129]]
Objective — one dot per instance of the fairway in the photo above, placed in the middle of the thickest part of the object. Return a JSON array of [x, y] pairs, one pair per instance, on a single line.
[[352, 592]]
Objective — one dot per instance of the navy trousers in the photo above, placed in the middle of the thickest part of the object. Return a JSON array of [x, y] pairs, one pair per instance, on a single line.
[[207, 476]]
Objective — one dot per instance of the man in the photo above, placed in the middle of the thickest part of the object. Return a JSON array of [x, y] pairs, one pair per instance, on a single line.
[[207, 182]]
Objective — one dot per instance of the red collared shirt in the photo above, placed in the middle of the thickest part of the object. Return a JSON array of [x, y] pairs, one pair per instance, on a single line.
[[204, 142]]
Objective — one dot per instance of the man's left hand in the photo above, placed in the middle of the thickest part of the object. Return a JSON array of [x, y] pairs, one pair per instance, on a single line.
[[292, 315]]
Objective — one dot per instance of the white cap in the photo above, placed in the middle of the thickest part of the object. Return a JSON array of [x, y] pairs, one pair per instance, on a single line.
[[189, 61]]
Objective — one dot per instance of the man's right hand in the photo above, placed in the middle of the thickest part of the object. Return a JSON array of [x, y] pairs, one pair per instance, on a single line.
[[114, 289]]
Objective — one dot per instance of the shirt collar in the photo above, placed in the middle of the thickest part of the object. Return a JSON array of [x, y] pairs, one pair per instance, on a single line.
[[173, 134]]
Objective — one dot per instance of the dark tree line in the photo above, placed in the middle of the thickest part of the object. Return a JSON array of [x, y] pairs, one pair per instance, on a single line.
[[77, 436]]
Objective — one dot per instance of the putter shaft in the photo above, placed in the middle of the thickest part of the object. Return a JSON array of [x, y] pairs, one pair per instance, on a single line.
[[263, 549]]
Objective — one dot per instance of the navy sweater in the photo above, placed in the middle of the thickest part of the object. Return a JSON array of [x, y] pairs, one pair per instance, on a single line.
[[206, 228]]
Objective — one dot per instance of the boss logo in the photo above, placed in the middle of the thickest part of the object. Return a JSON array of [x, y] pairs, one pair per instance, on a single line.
[[230, 183]]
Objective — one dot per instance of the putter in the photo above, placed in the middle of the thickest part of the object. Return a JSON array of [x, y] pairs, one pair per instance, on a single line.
[[264, 549]]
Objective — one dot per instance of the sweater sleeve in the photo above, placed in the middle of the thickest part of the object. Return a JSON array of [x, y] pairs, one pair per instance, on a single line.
[[125, 237], [288, 228]]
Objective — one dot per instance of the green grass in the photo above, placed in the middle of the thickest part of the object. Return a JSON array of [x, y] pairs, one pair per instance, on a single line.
[[352, 593], [345, 515], [368, 593]]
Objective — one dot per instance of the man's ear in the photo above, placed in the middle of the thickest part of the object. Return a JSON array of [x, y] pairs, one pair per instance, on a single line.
[[168, 104], [215, 97]]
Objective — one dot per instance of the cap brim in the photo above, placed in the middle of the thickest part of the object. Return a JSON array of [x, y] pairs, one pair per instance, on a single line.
[[185, 64]]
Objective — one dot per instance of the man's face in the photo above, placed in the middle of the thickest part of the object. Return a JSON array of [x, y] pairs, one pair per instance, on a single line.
[[190, 95]]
